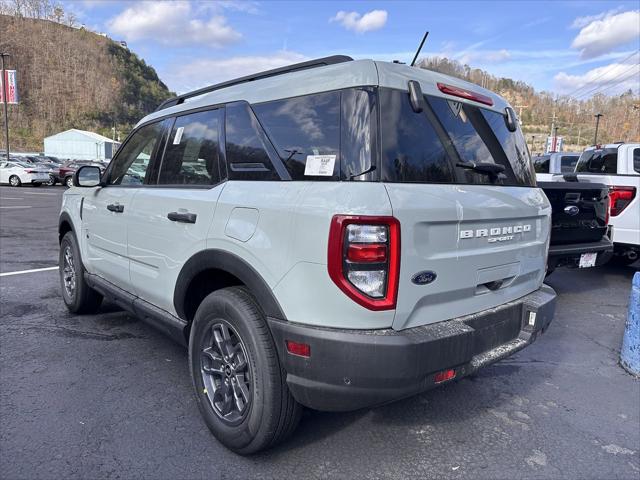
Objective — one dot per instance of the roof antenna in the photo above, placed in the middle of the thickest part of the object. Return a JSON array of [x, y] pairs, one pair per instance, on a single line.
[[426, 34]]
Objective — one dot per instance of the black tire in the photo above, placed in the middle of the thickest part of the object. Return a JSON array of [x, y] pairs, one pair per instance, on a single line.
[[82, 298], [68, 182], [52, 181], [271, 413], [15, 181]]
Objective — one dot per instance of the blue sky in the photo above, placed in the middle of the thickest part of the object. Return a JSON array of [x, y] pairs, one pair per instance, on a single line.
[[557, 46]]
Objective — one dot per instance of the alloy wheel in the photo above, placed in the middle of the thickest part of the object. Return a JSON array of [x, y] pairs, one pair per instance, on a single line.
[[225, 372], [69, 272]]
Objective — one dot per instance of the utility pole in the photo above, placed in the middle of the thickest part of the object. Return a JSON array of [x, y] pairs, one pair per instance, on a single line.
[[4, 101], [595, 136], [555, 139]]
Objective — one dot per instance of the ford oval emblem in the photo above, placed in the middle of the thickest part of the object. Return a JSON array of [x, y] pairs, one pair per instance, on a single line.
[[424, 278], [571, 210]]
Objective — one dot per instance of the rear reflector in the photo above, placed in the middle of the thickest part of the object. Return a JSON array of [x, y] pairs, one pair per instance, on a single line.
[[362, 252], [444, 375], [300, 349], [620, 198], [464, 93]]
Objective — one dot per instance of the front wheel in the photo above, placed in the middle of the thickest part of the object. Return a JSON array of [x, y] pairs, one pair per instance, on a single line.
[[15, 181], [76, 293], [52, 181], [68, 182], [240, 388]]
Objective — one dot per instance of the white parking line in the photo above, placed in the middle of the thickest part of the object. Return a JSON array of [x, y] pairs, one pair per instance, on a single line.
[[10, 198], [6, 274], [18, 206], [36, 193]]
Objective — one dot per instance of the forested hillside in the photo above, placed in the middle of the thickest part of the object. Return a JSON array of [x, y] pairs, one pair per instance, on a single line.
[[574, 118], [70, 77]]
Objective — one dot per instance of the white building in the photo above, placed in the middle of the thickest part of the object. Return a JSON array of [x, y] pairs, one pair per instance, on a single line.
[[80, 145]]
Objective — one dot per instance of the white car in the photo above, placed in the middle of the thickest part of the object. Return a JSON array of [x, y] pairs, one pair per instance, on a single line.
[[17, 173]]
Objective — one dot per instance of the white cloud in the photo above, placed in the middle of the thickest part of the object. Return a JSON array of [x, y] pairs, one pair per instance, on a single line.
[[603, 35], [610, 79], [172, 23], [199, 73], [581, 22], [373, 20]]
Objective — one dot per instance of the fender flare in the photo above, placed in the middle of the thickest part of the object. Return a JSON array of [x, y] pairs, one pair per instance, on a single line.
[[65, 218], [232, 264]]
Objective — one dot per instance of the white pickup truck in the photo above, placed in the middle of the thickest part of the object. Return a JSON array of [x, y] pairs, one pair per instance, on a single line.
[[618, 166], [550, 165]]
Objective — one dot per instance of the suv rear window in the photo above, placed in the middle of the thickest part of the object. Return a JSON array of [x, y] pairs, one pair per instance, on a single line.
[[413, 146], [598, 161], [568, 163]]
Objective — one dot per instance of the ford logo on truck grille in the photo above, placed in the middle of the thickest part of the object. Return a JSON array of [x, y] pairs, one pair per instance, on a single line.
[[571, 210]]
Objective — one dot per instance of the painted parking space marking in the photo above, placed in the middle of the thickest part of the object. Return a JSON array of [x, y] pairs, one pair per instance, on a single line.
[[33, 270], [11, 198], [17, 206]]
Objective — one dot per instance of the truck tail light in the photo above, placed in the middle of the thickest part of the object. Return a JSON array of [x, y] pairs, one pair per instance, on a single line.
[[620, 198], [364, 259], [464, 93]]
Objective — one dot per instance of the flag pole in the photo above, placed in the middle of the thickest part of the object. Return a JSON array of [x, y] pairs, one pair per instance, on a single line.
[[4, 101]]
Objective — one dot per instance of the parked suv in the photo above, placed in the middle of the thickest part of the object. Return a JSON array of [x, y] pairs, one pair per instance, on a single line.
[[336, 234]]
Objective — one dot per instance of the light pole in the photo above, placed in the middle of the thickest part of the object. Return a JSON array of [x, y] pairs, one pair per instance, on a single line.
[[595, 136], [4, 101]]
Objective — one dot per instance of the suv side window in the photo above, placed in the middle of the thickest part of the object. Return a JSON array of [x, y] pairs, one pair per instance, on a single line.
[[301, 127], [598, 161], [191, 155], [246, 145], [131, 163], [636, 159]]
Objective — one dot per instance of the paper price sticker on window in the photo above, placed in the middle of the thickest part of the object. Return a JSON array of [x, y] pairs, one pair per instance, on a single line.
[[319, 165], [178, 138]]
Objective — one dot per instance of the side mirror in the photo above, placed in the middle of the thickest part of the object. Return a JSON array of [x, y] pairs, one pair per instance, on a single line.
[[87, 176]]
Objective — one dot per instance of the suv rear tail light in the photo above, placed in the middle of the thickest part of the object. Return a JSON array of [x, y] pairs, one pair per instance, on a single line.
[[464, 93], [620, 198], [364, 259]]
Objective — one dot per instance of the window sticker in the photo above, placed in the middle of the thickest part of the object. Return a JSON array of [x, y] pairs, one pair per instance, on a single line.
[[320, 165], [178, 137]]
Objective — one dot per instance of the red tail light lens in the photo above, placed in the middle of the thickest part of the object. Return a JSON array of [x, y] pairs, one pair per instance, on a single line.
[[464, 93], [364, 259], [620, 198]]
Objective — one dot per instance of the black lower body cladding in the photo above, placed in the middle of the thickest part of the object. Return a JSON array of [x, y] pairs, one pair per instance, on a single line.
[[352, 369]]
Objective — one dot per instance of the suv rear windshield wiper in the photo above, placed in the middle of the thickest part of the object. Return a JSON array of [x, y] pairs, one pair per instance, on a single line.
[[488, 168]]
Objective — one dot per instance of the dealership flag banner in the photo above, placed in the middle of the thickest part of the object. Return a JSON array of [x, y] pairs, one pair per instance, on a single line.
[[12, 86]]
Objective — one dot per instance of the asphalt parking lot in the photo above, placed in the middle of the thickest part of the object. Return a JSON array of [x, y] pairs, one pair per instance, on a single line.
[[106, 396]]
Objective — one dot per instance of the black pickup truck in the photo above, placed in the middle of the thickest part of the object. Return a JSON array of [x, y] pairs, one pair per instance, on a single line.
[[579, 224]]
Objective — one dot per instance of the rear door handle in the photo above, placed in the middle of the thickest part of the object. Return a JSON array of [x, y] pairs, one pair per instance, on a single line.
[[182, 217], [115, 207]]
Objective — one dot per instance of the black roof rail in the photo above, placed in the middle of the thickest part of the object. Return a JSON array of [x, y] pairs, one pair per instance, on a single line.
[[318, 62]]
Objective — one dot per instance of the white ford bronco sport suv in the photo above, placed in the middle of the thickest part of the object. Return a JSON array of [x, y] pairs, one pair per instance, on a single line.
[[336, 234]]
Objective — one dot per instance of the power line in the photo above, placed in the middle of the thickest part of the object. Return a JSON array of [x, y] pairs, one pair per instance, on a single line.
[[587, 85], [610, 83]]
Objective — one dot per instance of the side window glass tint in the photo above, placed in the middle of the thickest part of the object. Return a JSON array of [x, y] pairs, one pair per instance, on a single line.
[[191, 155], [636, 159], [132, 161], [358, 144], [541, 164], [304, 127], [411, 149], [246, 150]]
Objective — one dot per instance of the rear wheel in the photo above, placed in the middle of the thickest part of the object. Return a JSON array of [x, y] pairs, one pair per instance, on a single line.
[[14, 181], [240, 388], [68, 182], [76, 293]]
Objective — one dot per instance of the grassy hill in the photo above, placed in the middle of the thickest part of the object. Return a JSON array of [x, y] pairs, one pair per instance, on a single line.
[[72, 78]]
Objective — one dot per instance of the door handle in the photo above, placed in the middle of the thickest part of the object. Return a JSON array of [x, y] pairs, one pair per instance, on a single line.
[[182, 217], [115, 207]]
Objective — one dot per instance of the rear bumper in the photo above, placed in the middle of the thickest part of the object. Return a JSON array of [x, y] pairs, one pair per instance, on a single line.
[[352, 369], [575, 249]]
